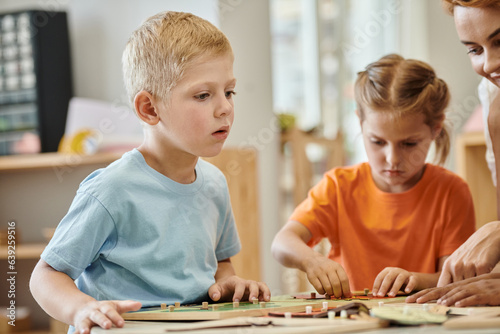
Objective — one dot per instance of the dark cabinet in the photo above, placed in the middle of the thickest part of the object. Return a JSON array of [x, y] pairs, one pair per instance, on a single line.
[[35, 80]]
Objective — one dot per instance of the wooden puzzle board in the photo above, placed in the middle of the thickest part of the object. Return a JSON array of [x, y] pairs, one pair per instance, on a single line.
[[224, 311], [248, 309]]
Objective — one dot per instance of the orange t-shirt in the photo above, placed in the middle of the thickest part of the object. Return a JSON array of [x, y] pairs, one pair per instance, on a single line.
[[370, 229]]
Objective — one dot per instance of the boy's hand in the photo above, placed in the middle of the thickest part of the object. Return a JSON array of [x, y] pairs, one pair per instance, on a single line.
[[234, 288], [390, 280], [103, 314], [327, 276]]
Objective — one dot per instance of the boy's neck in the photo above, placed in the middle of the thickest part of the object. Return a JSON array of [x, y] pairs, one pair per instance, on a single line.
[[177, 167]]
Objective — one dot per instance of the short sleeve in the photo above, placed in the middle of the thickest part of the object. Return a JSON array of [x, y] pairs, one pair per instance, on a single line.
[[86, 232], [318, 212], [228, 244]]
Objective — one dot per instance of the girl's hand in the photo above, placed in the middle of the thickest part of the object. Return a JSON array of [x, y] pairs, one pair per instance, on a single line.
[[234, 288], [327, 276], [390, 280], [103, 314]]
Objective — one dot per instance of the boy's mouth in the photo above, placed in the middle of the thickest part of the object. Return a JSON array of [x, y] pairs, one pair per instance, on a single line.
[[222, 133]]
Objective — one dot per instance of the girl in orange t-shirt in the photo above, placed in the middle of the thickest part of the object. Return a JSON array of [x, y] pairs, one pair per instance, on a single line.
[[394, 220]]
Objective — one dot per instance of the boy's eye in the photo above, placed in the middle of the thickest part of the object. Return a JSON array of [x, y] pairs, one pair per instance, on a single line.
[[203, 96], [410, 144], [230, 93]]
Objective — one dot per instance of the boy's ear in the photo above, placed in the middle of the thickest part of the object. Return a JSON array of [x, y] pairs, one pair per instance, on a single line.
[[359, 116], [145, 107]]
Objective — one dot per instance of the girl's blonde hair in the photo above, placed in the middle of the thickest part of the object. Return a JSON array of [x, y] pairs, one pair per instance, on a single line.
[[159, 51], [449, 5], [404, 87]]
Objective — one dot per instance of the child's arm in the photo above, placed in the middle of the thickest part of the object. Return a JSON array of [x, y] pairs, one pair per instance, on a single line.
[[290, 249], [58, 295], [390, 280], [228, 286]]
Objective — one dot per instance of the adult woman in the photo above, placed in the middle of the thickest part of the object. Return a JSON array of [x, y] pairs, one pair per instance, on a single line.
[[470, 267]]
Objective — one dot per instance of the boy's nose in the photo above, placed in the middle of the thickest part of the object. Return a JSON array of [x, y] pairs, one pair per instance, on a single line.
[[224, 108]]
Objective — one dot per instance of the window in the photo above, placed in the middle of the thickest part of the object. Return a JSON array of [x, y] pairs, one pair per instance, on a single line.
[[317, 49]]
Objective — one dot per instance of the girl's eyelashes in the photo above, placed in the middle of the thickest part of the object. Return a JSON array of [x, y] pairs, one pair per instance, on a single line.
[[377, 142], [403, 144]]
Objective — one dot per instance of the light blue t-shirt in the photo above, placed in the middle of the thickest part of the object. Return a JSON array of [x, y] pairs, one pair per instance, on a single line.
[[133, 233]]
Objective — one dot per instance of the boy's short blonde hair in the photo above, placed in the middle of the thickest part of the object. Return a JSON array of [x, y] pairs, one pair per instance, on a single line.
[[159, 51]]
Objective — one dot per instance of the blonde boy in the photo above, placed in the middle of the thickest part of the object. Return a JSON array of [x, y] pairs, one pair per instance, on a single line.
[[156, 226]]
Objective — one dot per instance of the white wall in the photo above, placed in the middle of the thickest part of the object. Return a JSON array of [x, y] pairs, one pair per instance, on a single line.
[[449, 58], [246, 24]]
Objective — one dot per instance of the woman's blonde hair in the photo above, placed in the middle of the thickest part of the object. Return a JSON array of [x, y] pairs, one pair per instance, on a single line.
[[449, 5], [159, 51], [404, 87]]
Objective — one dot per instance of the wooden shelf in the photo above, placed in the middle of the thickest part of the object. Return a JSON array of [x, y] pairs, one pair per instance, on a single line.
[[471, 139], [53, 160], [24, 251], [471, 166]]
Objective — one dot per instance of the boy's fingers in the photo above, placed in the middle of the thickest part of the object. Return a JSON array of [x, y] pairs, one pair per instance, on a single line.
[[239, 291], [112, 314], [83, 327], [264, 291], [215, 292], [253, 290], [127, 306], [98, 318]]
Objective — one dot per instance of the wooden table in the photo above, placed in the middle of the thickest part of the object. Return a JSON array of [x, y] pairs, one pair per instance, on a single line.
[[316, 326], [158, 327]]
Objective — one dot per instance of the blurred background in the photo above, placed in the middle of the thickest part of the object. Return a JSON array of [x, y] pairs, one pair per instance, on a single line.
[[295, 62]]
